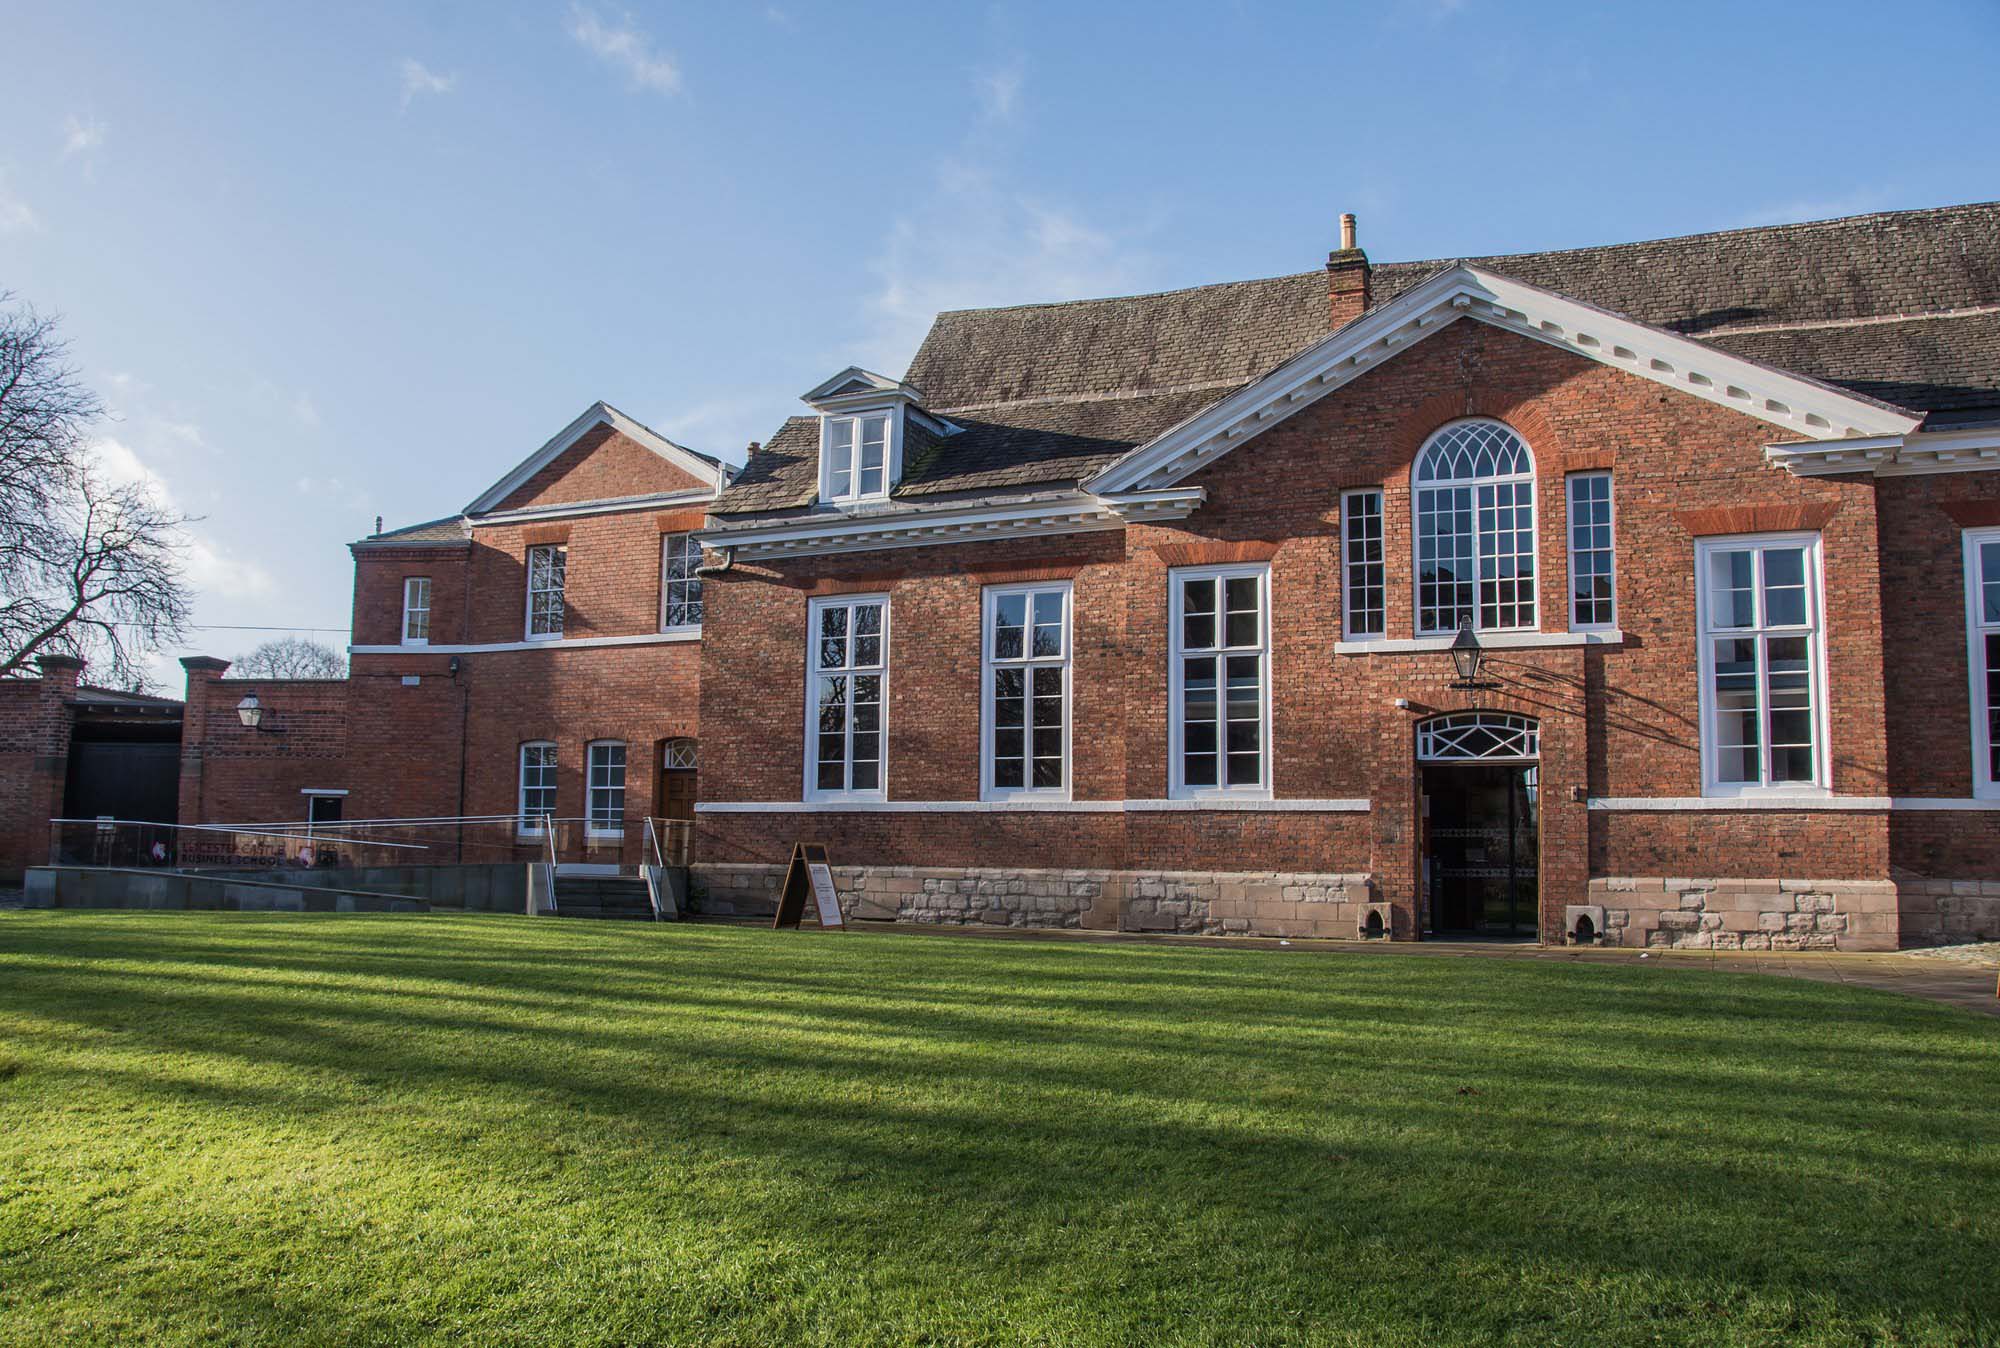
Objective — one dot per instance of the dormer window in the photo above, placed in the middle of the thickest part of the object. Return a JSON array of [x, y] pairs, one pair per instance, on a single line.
[[863, 420], [855, 456]]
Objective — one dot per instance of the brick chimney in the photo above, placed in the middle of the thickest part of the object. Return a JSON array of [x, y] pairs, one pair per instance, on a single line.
[[1346, 278]]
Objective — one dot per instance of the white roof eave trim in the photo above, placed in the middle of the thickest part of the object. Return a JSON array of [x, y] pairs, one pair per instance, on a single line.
[[598, 414], [931, 526], [1945, 451], [1803, 406]]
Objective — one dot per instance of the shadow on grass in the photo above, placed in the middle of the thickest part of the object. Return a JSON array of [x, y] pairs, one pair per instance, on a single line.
[[1698, 1138]]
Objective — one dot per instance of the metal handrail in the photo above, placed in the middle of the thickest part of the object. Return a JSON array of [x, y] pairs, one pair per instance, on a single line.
[[653, 875], [549, 843]]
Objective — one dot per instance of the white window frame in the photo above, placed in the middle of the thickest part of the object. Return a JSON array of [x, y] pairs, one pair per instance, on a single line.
[[813, 792], [1532, 477], [411, 608], [522, 814], [590, 825], [1815, 630], [1177, 787], [562, 612], [1984, 786], [1347, 565], [692, 581], [680, 754], [892, 455], [990, 665], [1569, 534]]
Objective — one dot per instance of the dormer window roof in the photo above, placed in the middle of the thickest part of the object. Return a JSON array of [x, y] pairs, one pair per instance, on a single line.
[[862, 420]]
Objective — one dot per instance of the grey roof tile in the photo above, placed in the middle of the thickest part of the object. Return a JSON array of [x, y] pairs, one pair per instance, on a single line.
[[1049, 393]]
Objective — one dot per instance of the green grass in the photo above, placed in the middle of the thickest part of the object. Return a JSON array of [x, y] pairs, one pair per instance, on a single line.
[[288, 1129]]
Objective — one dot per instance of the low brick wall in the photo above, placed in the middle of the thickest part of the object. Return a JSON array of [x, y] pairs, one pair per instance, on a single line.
[[1740, 914], [1205, 903], [1948, 912]]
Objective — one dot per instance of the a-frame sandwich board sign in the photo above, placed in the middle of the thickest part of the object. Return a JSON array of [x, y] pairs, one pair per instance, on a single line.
[[809, 876]]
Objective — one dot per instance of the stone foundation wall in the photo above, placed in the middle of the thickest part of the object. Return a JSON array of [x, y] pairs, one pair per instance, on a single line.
[[1739, 914], [1949, 912], [1268, 903]]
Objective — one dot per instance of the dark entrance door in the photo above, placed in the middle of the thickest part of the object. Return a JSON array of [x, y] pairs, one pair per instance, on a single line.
[[675, 795], [1483, 847]]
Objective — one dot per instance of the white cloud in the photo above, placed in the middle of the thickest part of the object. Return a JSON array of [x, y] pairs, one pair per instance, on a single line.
[[782, 18], [977, 241], [420, 79], [81, 137], [625, 48], [306, 412], [1000, 91], [16, 216], [211, 568]]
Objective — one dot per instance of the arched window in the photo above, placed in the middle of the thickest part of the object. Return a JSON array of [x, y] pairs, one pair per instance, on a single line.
[[679, 755], [1474, 485]]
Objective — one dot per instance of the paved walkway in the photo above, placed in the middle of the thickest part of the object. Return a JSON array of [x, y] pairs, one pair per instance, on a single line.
[[1960, 983]]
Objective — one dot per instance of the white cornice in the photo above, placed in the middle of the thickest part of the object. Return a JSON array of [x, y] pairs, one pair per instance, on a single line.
[[1288, 805], [902, 526], [1802, 406], [612, 506], [1946, 451], [595, 415], [549, 644]]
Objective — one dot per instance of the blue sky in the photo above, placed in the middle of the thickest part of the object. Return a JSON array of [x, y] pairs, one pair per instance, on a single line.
[[336, 261]]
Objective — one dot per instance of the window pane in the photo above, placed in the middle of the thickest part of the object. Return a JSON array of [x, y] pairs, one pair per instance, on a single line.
[[1010, 614], [1048, 623], [1197, 614], [1198, 689], [1362, 548], [1731, 600], [1784, 587], [1989, 584], [1736, 717], [1244, 629], [1992, 645], [1008, 697]]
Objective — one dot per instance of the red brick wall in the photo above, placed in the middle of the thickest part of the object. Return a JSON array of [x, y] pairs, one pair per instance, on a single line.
[[1336, 731], [34, 755], [448, 743], [379, 574], [603, 465], [231, 774]]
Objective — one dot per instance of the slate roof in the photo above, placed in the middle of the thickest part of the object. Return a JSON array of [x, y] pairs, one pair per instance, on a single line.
[[448, 530], [1052, 392]]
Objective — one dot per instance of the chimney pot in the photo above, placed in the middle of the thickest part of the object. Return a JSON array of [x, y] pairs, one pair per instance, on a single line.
[[1346, 230]]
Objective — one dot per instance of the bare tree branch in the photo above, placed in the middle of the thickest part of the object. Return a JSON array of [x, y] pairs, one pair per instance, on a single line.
[[290, 658], [87, 568]]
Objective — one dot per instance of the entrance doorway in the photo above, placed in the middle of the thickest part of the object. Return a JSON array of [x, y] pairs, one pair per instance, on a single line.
[[677, 789], [1482, 814]]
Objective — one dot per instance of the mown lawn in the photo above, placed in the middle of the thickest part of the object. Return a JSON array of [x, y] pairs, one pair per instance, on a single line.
[[285, 1129]]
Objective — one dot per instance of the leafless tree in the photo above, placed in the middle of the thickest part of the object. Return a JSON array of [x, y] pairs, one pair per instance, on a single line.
[[290, 658], [88, 567]]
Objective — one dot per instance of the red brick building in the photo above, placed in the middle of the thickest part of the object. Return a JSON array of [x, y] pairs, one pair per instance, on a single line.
[[536, 656], [1141, 612]]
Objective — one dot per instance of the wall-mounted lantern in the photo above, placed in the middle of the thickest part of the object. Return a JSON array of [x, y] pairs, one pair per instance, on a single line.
[[251, 712], [1466, 657]]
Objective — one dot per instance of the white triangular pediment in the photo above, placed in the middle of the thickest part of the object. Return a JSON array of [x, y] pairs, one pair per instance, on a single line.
[[1803, 407], [598, 414]]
